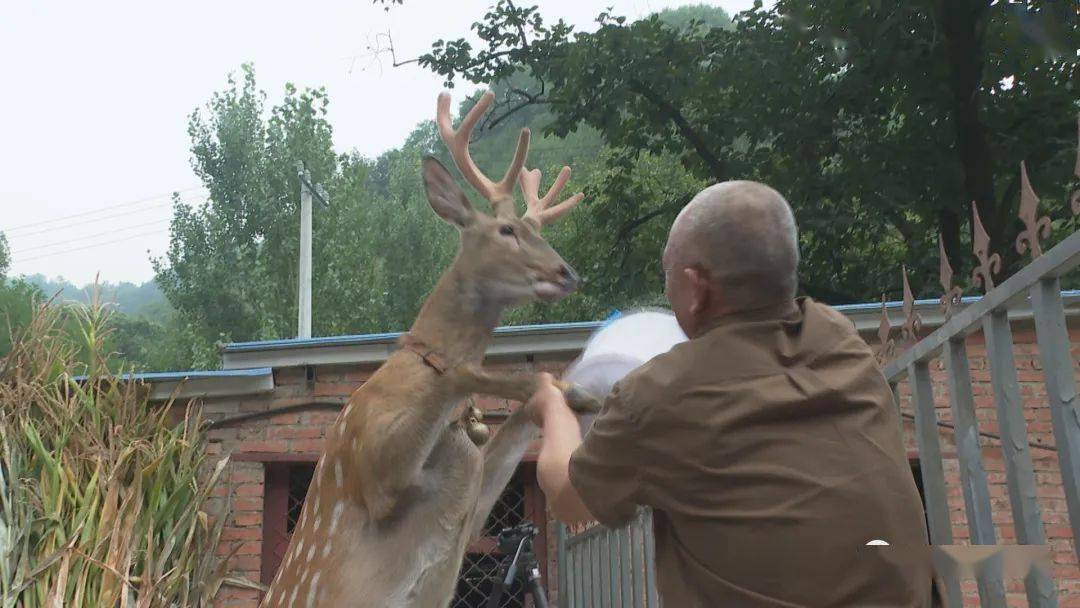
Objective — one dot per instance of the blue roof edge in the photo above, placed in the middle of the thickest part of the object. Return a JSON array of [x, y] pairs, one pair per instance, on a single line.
[[255, 372], [348, 340]]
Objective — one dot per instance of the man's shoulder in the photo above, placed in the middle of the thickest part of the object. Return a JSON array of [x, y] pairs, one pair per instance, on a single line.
[[659, 379]]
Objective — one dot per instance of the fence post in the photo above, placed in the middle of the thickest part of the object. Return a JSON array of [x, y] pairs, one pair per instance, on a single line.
[[1020, 475], [1053, 338], [562, 597], [972, 474], [930, 467]]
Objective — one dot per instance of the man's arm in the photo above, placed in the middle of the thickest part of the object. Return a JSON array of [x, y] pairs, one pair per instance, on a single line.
[[561, 436]]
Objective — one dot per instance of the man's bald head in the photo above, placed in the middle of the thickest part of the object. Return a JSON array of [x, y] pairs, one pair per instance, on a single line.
[[743, 235]]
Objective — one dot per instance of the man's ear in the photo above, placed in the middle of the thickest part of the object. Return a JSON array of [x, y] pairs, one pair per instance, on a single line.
[[444, 195], [699, 289]]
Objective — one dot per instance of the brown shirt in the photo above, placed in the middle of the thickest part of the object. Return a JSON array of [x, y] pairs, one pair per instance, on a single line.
[[771, 454]]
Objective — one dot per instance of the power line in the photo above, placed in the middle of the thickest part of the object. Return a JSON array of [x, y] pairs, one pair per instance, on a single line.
[[80, 223], [99, 209], [55, 253], [89, 237]]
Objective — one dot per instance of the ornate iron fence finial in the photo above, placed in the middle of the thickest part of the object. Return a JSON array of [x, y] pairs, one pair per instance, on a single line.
[[912, 321], [1034, 226], [888, 346], [953, 293], [988, 264]]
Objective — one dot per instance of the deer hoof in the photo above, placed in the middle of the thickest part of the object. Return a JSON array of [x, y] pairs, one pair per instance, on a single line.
[[581, 400]]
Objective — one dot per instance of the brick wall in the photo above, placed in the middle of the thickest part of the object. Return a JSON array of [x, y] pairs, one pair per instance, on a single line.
[[298, 436]]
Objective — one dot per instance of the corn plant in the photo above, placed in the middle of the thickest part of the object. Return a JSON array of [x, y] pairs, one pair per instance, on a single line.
[[102, 492]]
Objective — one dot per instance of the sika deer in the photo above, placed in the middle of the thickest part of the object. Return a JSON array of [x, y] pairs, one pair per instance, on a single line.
[[402, 486]]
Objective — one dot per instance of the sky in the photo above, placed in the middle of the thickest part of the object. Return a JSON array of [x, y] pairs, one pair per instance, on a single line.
[[97, 96]]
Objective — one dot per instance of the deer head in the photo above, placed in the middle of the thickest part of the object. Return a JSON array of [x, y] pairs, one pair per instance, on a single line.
[[504, 255]]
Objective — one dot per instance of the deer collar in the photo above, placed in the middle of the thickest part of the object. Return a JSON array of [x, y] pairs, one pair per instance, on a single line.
[[434, 359]]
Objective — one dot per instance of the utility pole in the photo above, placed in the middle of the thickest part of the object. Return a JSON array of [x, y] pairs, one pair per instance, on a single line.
[[307, 191]]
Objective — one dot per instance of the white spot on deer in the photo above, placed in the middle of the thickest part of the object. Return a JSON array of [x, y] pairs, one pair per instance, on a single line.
[[313, 590], [292, 598], [348, 409], [336, 515], [337, 472], [318, 523], [311, 553], [341, 427], [299, 547], [326, 549]]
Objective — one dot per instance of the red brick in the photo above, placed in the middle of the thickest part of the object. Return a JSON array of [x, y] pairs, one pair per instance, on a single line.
[[248, 504], [294, 432], [1058, 532], [320, 418], [248, 519], [285, 419], [249, 489], [246, 476], [241, 534], [248, 563], [307, 446], [249, 548], [329, 389], [256, 445]]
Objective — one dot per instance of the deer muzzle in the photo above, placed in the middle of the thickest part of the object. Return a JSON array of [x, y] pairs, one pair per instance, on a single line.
[[557, 285]]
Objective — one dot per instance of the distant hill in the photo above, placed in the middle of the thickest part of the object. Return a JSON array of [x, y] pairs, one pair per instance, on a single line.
[[131, 299]]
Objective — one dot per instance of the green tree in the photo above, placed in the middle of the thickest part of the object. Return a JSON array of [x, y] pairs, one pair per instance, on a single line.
[[230, 268], [377, 249], [18, 301], [881, 121], [5, 256]]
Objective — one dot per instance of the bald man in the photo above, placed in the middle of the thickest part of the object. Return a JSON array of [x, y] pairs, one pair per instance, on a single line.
[[767, 445]]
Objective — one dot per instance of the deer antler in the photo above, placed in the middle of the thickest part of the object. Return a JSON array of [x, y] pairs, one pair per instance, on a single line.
[[537, 207], [500, 194]]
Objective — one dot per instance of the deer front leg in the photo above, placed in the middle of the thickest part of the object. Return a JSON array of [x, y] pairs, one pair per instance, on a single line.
[[520, 387], [501, 457]]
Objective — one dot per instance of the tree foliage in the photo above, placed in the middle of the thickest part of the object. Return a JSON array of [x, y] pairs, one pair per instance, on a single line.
[[880, 121], [5, 256]]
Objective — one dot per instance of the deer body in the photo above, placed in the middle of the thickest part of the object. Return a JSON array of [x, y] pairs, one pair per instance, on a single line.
[[402, 487]]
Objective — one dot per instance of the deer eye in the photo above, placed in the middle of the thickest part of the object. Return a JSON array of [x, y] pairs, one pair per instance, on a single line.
[[506, 230]]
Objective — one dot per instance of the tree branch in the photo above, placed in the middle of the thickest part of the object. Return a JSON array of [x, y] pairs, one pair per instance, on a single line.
[[629, 227], [685, 129]]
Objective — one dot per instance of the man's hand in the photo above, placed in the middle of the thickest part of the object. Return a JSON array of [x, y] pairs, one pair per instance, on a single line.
[[545, 399], [561, 436]]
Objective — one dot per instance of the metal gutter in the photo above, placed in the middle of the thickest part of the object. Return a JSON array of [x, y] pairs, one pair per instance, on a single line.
[[550, 339], [193, 384]]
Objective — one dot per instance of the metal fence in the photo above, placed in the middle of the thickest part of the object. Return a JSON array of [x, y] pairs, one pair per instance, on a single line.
[[601, 567], [1039, 283]]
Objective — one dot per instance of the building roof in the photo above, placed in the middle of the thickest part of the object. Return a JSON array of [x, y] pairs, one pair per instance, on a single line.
[[209, 383], [546, 339], [248, 366]]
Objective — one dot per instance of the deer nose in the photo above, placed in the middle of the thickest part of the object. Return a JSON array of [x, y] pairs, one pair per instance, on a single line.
[[569, 276]]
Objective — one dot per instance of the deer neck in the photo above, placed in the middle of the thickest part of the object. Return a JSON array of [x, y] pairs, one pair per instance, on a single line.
[[457, 319]]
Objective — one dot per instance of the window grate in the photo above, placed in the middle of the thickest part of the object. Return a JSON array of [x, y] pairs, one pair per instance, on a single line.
[[480, 570], [299, 480], [509, 510]]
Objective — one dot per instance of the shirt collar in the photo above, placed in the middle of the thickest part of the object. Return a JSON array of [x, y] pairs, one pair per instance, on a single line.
[[777, 312]]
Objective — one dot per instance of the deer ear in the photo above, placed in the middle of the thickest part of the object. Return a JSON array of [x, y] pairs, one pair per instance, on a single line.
[[444, 195]]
